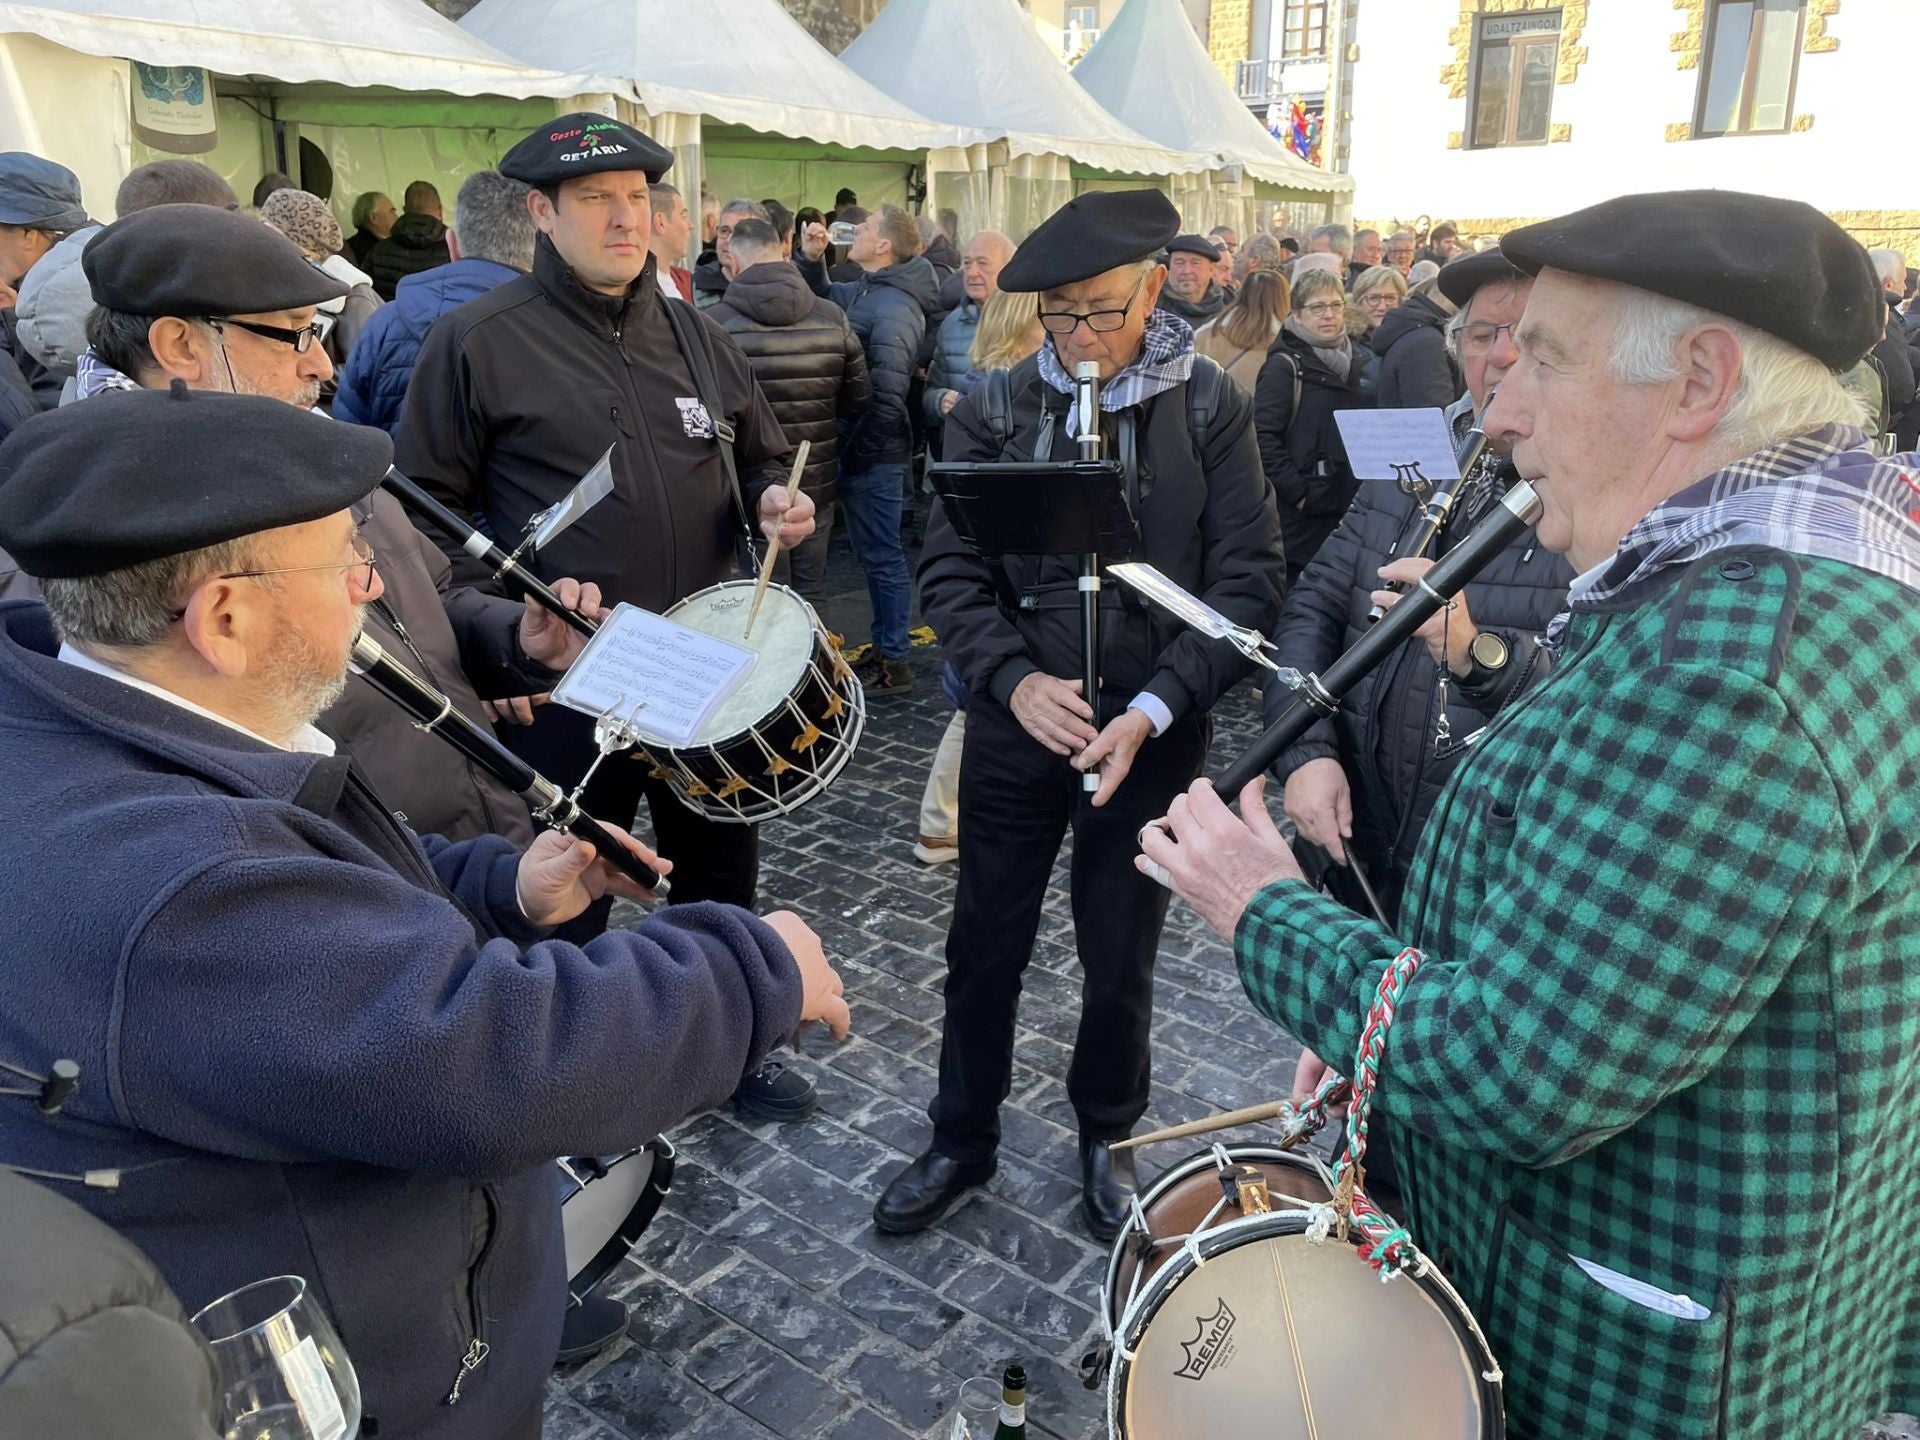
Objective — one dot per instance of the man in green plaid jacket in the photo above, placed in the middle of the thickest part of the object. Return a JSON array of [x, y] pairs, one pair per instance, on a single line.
[[1668, 1019]]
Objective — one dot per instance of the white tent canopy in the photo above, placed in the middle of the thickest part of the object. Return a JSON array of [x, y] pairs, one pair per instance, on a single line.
[[981, 63], [1149, 69], [740, 62], [397, 43]]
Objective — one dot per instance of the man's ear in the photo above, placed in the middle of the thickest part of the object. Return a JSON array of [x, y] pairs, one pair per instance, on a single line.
[[220, 626], [541, 209], [453, 243], [1710, 368], [179, 350]]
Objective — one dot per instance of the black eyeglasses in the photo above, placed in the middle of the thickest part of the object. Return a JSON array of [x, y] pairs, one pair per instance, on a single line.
[[301, 340], [1478, 338], [1101, 322]]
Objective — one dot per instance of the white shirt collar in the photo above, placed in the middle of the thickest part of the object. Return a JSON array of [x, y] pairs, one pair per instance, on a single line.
[[308, 741], [664, 278]]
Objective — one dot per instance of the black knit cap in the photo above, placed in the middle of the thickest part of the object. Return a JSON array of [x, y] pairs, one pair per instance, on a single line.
[[1777, 265], [193, 260], [1089, 236], [583, 144], [133, 476], [1194, 245], [1461, 279]]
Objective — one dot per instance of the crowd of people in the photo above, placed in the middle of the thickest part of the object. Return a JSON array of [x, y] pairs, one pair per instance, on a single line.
[[1634, 793]]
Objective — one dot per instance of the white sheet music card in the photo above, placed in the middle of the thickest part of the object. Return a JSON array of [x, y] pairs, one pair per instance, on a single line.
[[1184, 604], [1390, 444], [593, 487], [676, 674]]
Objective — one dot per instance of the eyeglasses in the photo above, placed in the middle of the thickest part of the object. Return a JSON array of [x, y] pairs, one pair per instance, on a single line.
[[301, 340], [1325, 309], [362, 562], [1478, 338], [1101, 322]]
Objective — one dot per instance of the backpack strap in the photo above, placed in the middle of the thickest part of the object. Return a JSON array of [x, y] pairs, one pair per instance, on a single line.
[[696, 348]]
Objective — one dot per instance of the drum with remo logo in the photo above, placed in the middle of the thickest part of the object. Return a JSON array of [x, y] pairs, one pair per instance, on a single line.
[[606, 1206], [1228, 1319], [786, 731]]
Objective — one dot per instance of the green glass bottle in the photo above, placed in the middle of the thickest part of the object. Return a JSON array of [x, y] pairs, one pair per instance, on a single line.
[[1013, 1405]]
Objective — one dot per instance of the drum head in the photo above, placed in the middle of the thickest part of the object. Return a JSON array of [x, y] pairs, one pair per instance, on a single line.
[[782, 642], [604, 1217], [1278, 1337]]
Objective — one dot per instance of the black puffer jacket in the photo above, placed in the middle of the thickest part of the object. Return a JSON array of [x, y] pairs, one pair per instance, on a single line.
[[1384, 735], [1304, 459], [418, 242], [888, 310], [1415, 368], [806, 358]]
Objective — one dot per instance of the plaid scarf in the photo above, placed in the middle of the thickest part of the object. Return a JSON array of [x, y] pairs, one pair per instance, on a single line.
[[1824, 494], [93, 376], [1165, 360]]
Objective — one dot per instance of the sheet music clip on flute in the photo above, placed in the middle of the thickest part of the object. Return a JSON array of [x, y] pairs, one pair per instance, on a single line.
[[612, 733], [1184, 605]]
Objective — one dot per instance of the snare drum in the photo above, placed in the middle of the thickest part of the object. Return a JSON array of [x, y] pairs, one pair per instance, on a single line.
[[1228, 1320], [606, 1206], [789, 728]]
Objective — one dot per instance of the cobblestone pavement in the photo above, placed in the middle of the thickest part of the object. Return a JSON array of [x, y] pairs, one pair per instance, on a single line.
[[764, 1303]]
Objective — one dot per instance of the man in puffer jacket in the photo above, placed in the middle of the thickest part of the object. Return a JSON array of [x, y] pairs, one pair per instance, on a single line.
[[812, 371], [418, 242], [888, 308], [491, 242], [1415, 367], [980, 266]]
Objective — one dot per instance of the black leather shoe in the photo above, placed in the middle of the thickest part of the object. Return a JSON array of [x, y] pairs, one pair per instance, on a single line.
[[923, 1192], [774, 1092], [1107, 1184], [592, 1324]]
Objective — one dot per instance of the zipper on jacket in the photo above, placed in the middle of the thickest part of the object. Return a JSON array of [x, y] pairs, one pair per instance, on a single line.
[[477, 1349]]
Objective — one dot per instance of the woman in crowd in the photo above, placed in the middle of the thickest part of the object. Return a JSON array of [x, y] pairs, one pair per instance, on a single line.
[[1237, 338], [1312, 370], [1377, 292]]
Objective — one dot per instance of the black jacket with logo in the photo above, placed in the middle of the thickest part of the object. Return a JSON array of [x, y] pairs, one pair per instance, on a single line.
[[518, 392]]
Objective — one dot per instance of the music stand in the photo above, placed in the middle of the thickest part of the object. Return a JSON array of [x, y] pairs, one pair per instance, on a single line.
[[1072, 508]]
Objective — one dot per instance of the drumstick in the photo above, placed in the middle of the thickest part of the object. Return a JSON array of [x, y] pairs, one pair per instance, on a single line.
[[1251, 1115], [773, 545]]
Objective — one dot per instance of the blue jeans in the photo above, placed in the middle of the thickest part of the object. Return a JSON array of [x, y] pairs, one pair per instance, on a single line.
[[870, 503]]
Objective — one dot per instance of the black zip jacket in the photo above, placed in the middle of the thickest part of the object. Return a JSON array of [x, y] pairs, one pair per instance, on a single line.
[[1305, 461], [1206, 517], [888, 310], [518, 392], [1415, 368]]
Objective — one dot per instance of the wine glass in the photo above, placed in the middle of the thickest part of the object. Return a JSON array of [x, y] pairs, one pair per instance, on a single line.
[[978, 1413], [283, 1374]]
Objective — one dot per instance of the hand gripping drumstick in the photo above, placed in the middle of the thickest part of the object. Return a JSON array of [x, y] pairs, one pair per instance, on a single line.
[[773, 545]]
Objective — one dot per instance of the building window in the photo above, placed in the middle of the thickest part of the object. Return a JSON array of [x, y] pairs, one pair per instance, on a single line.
[[1512, 99], [1083, 17], [1303, 29], [1750, 58]]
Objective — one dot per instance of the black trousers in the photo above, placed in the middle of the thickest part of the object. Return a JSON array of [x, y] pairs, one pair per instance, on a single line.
[[1017, 800], [711, 861]]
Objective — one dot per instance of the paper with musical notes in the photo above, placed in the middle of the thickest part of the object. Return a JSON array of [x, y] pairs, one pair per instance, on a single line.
[[662, 677], [1398, 444]]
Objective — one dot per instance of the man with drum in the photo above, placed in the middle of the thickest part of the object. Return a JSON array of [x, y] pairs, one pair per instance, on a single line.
[[1648, 1085], [309, 1041], [516, 395], [1205, 513]]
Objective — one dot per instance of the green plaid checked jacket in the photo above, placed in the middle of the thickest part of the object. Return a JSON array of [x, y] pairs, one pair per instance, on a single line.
[[1670, 1015]]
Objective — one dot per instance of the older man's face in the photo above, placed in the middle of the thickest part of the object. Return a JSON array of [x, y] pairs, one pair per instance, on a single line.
[[1400, 252], [1487, 350], [1366, 249], [21, 247], [981, 263], [1123, 289], [258, 364], [380, 219], [1188, 275], [1594, 441]]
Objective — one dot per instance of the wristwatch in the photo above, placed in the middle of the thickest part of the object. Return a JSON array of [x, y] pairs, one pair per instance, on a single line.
[[1488, 656]]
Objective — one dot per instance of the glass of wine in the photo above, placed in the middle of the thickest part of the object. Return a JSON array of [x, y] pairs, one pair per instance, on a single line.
[[283, 1374], [978, 1413]]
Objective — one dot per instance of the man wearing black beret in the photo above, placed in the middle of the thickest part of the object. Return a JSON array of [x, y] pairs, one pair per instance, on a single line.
[[517, 394], [1665, 1020], [311, 1041], [1191, 291], [1193, 481]]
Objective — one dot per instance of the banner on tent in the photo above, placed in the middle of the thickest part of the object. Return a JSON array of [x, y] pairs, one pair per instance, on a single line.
[[174, 108]]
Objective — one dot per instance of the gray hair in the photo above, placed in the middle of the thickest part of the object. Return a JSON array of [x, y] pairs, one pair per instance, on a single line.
[[1314, 282], [1892, 267], [363, 204], [134, 607], [1422, 270], [746, 207], [1360, 235], [491, 218], [1782, 391], [1339, 239]]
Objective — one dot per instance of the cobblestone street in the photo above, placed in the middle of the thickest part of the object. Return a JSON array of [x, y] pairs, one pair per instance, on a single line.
[[764, 1303]]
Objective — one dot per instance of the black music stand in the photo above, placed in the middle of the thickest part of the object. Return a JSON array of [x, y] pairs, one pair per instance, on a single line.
[[1072, 508]]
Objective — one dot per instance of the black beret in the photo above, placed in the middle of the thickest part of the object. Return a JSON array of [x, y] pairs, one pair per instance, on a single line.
[[1089, 236], [192, 260], [1194, 245], [1777, 265], [133, 476], [1460, 279], [583, 144]]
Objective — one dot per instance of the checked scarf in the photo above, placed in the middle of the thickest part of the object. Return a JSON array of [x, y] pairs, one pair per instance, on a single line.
[[1823, 494], [1165, 360]]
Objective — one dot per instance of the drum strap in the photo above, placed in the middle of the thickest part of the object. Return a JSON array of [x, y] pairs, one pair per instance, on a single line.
[[696, 348]]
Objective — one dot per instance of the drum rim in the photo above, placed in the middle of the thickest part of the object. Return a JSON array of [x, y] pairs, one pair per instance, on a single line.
[[815, 623], [632, 1226], [1281, 1223]]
